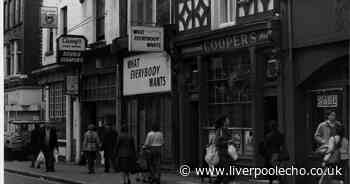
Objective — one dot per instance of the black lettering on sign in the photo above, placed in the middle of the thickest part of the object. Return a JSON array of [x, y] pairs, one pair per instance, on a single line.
[[157, 81]]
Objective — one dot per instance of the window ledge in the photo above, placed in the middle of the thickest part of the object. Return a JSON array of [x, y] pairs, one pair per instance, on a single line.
[[227, 24]]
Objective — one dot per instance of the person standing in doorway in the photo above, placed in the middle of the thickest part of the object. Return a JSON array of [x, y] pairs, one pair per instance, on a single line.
[[35, 143], [154, 142], [326, 129], [49, 145], [126, 154], [109, 143], [91, 145]]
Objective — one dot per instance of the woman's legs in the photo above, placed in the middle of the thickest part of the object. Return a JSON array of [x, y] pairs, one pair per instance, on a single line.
[[91, 161]]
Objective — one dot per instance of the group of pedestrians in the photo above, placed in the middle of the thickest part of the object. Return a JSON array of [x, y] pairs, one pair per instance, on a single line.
[[120, 150], [44, 139]]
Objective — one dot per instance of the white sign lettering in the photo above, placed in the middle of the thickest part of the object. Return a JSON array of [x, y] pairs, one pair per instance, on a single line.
[[147, 73], [143, 38], [327, 101], [69, 43]]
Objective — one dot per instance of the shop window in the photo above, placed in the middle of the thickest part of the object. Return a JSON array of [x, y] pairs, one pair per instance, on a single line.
[[143, 12], [99, 87], [57, 101], [100, 20], [229, 89]]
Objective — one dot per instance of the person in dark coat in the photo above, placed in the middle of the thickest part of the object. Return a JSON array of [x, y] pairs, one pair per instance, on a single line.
[[50, 143], [225, 161], [35, 143], [91, 145], [109, 143], [274, 148], [126, 154]]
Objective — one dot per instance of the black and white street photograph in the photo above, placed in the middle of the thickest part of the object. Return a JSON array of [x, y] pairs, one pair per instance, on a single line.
[[175, 92]]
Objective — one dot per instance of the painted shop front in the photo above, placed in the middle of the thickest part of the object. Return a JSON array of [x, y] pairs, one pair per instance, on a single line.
[[147, 98], [231, 71]]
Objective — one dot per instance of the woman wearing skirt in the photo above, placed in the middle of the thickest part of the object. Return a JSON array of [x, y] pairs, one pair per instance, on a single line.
[[126, 154]]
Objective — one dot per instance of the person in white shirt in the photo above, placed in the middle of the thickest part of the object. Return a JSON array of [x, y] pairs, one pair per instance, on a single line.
[[154, 142]]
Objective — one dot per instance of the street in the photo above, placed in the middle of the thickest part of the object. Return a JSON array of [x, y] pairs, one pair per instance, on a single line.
[[10, 178]]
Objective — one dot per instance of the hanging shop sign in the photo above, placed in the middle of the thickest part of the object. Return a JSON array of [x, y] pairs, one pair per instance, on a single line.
[[147, 73], [237, 41], [326, 101], [48, 17], [70, 48], [72, 84], [149, 39]]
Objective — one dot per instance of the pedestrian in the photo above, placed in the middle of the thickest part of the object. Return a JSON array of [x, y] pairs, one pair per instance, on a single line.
[[221, 129], [154, 142], [326, 129], [225, 161], [109, 143], [91, 145], [275, 150], [126, 154], [49, 145], [35, 143]]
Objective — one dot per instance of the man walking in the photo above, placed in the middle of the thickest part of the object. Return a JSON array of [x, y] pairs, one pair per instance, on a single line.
[[326, 129], [109, 143], [49, 145], [35, 143]]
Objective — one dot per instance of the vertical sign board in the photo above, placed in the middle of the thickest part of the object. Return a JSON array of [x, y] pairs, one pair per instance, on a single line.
[[48, 17], [149, 39], [70, 48], [147, 73]]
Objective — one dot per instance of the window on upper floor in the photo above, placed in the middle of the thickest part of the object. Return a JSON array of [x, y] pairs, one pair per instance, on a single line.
[[224, 13], [64, 23], [5, 16], [18, 12], [49, 38], [21, 11], [12, 56], [100, 20], [11, 13], [143, 12]]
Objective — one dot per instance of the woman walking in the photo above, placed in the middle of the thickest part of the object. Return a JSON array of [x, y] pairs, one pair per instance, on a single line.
[[91, 146], [154, 142], [126, 154]]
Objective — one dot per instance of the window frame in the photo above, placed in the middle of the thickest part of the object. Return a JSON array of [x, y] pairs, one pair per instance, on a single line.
[[64, 20], [11, 13], [100, 18], [130, 15], [5, 15]]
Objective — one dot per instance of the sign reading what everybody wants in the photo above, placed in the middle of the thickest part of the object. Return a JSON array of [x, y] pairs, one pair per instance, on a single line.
[[149, 39], [70, 48], [147, 73], [237, 41]]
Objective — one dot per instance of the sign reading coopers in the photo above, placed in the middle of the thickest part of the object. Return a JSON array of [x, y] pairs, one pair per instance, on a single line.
[[70, 48], [143, 38], [147, 73]]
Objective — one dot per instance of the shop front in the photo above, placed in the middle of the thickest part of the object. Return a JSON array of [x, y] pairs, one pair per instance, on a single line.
[[147, 99], [230, 72], [325, 90]]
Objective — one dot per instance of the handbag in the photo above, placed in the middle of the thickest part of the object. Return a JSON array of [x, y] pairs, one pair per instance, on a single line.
[[211, 156], [232, 151]]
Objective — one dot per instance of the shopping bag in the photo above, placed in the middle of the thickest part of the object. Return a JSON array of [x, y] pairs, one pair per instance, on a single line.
[[211, 156], [40, 159], [232, 151]]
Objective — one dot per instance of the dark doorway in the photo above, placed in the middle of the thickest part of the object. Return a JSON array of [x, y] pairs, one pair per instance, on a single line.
[[270, 110]]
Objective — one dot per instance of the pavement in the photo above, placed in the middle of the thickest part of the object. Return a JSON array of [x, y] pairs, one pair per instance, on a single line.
[[75, 174]]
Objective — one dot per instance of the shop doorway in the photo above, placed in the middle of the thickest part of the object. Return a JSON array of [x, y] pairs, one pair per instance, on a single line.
[[270, 111]]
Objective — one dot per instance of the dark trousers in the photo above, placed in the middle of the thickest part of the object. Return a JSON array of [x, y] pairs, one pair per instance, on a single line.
[[91, 158], [35, 154], [154, 163], [49, 160], [108, 161]]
